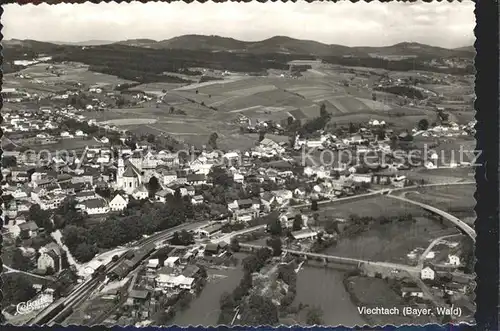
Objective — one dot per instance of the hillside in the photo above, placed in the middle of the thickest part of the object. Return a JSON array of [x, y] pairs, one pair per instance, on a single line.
[[146, 43], [287, 45], [84, 43], [277, 44], [416, 49], [147, 60]]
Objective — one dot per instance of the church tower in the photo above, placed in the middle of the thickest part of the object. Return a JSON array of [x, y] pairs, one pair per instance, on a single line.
[[119, 173]]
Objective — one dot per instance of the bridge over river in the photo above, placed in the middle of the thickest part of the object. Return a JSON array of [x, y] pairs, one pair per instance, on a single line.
[[414, 270]]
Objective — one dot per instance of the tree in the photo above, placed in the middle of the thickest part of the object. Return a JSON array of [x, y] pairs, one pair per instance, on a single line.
[[262, 135], [259, 311], [297, 223], [322, 111], [40, 217], [319, 238], [220, 177], [19, 261], [49, 270], [182, 238], [314, 205], [203, 271], [352, 128], [274, 227], [151, 138], [120, 101], [67, 214], [153, 185], [104, 192], [212, 140], [9, 161], [275, 244], [394, 142], [332, 227], [468, 253], [291, 139], [16, 288], [423, 124], [314, 316], [84, 252], [234, 245], [380, 134]]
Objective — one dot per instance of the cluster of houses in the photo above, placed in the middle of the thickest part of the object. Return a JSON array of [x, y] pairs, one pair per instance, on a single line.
[[48, 258], [452, 129], [95, 167], [28, 121], [169, 272]]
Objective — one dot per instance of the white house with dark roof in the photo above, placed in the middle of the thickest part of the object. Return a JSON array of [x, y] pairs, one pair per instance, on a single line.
[[427, 273], [169, 177], [118, 203], [161, 196], [141, 193], [197, 199], [270, 147], [94, 206], [50, 256]]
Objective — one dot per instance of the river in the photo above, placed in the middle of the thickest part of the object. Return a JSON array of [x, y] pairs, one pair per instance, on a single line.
[[204, 310], [323, 288], [316, 286]]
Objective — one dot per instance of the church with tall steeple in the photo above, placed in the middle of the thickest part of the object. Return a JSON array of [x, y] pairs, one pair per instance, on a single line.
[[128, 177]]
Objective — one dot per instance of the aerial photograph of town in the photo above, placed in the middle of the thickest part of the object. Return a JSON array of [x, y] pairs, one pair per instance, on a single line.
[[244, 164]]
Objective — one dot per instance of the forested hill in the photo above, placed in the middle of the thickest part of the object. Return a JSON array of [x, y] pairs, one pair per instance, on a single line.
[[146, 60]]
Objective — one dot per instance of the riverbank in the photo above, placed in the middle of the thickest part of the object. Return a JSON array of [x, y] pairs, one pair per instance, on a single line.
[[368, 292], [205, 308]]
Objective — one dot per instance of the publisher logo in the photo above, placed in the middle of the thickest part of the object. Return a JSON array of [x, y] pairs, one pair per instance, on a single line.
[[32, 305]]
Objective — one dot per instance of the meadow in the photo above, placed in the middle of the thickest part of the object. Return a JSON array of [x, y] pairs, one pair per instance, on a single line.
[[216, 106], [448, 198]]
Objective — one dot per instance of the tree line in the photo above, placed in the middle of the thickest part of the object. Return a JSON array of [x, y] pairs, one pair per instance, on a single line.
[[149, 65], [256, 310]]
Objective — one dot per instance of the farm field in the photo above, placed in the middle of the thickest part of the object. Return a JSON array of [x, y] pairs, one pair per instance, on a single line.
[[130, 121], [374, 293], [44, 82], [450, 90], [441, 175], [72, 72], [156, 88], [9, 81], [398, 122], [260, 98], [374, 207], [448, 198], [226, 80]]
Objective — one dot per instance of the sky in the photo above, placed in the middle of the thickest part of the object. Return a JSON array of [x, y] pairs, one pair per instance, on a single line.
[[441, 24]]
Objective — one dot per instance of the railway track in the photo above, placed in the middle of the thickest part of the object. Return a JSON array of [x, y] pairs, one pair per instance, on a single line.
[[56, 314]]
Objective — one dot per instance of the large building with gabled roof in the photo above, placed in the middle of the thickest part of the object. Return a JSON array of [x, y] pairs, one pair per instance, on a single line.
[[128, 177]]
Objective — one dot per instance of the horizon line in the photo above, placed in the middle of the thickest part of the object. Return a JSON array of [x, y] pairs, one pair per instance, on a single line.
[[104, 41]]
